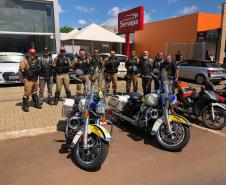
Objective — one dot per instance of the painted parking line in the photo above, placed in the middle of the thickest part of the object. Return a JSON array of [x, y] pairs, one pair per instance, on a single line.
[[210, 130]]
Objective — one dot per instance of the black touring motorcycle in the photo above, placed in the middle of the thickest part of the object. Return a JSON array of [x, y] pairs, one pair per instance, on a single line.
[[154, 114]]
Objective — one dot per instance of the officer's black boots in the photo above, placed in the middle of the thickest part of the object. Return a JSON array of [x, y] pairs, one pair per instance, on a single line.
[[50, 101], [25, 105], [128, 91], [36, 102], [68, 93], [57, 97], [114, 92]]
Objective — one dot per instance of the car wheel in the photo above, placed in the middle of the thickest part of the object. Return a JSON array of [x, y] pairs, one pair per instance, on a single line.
[[200, 79]]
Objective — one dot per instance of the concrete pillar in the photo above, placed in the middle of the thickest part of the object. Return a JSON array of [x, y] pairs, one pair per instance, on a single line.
[[57, 25], [223, 34]]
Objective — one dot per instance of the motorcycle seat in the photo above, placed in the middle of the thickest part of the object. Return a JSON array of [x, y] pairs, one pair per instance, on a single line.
[[135, 95]]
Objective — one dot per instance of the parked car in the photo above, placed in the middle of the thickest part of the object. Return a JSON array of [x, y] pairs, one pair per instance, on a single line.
[[201, 71], [122, 68], [9, 65]]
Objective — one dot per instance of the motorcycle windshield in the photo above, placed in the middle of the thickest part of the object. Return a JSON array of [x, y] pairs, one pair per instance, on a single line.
[[166, 83]]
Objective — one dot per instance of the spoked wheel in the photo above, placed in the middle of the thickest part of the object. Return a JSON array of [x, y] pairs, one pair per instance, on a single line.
[[93, 156], [176, 140], [218, 123]]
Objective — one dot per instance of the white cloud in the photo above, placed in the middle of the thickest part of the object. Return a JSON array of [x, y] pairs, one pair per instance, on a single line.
[[189, 10], [84, 9], [174, 16], [114, 11], [219, 7], [147, 17], [113, 20], [172, 1], [60, 9], [82, 21]]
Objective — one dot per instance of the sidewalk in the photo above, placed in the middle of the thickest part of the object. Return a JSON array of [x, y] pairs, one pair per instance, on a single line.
[[12, 118], [16, 123], [13, 121]]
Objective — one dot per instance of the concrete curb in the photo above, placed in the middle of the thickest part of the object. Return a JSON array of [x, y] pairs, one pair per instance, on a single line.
[[26, 133]]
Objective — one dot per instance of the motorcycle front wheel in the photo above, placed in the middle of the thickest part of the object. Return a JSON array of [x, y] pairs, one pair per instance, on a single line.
[[216, 124], [93, 156], [173, 141]]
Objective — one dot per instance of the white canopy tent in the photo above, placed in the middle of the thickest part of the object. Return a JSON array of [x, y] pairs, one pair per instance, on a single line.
[[68, 35], [92, 33]]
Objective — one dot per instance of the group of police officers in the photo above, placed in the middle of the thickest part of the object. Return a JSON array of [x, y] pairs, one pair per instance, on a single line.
[[37, 72]]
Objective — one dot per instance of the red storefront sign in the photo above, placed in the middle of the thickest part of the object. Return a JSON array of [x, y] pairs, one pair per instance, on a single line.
[[130, 21]]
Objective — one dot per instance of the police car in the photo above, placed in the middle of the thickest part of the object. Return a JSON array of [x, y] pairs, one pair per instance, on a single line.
[[9, 65]]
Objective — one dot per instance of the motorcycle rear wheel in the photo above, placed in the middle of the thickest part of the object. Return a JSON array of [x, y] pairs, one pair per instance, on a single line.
[[176, 141], [93, 157], [216, 124]]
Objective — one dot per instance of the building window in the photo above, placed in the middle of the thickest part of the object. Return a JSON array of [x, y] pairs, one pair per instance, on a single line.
[[26, 16], [21, 43]]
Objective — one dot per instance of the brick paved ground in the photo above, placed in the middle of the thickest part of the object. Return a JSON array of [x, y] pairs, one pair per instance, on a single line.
[[12, 118]]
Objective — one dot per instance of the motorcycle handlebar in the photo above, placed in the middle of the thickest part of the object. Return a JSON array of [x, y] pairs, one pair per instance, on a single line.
[[150, 76], [77, 79]]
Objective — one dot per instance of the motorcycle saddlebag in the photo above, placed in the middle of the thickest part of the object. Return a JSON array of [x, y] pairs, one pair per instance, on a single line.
[[184, 90], [67, 109], [118, 102]]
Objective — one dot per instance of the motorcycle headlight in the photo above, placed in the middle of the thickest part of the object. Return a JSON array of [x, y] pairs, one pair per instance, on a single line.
[[151, 100], [82, 105], [100, 107]]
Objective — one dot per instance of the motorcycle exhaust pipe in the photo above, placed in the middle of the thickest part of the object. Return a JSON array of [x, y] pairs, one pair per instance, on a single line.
[[133, 122]]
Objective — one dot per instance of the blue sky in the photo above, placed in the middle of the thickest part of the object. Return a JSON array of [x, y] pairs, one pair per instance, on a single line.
[[77, 13]]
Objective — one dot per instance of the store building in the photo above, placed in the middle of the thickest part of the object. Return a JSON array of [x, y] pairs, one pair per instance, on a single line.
[[29, 23], [196, 36]]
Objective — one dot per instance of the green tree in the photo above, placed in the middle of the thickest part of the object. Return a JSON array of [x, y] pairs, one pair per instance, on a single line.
[[66, 29]]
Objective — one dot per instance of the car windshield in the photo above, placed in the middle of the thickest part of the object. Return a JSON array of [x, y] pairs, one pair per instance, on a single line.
[[211, 64], [104, 56], [10, 58], [121, 59]]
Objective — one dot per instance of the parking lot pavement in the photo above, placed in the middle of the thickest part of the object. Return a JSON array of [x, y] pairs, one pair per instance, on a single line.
[[15, 123], [134, 159]]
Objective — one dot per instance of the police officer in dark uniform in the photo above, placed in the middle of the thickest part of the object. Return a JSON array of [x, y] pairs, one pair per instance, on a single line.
[[81, 65], [111, 70], [46, 76], [158, 60], [97, 63], [62, 64], [29, 70], [146, 70], [132, 72], [170, 68]]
